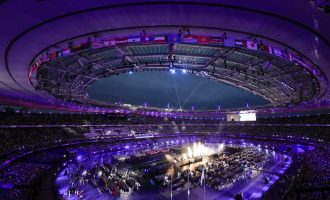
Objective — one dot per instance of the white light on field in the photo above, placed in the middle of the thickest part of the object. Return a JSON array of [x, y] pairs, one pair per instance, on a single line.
[[221, 147], [199, 150], [100, 173], [190, 153], [184, 71], [169, 158], [172, 71]]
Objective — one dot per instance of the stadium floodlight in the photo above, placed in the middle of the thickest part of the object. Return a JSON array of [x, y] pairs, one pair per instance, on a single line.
[[172, 71], [130, 72], [184, 71]]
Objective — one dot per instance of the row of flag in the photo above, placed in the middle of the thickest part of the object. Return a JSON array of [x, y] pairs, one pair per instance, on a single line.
[[261, 47], [171, 38], [273, 51], [192, 39]]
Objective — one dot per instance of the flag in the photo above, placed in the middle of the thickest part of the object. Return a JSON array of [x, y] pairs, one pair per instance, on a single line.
[[299, 62], [203, 40], [109, 42], [44, 58], [261, 47], [121, 40], [191, 39], [147, 39], [160, 39], [59, 54], [277, 52], [269, 50], [66, 52], [97, 45], [38, 62], [52, 55], [265, 48], [134, 40], [251, 45], [216, 40], [30, 74], [34, 68], [202, 177], [85, 45], [174, 38], [229, 42], [75, 48], [290, 57], [240, 43]]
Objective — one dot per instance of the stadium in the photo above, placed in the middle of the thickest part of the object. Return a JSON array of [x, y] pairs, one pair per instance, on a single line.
[[183, 99]]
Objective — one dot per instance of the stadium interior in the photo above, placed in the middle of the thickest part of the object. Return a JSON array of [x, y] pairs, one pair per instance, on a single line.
[[182, 99]]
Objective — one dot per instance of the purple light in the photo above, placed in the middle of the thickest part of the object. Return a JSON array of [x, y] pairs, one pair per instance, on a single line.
[[6, 186], [79, 158]]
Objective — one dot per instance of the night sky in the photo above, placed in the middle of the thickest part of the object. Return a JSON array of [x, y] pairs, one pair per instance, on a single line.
[[158, 88]]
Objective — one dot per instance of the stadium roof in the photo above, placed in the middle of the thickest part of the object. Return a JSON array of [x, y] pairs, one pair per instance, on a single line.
[[32, 29]]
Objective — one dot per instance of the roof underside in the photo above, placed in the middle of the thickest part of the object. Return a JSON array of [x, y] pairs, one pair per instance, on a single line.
[[297, 26]]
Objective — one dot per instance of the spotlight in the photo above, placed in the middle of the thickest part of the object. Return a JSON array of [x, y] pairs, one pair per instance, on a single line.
[[184, 71], [130, 72], [172, 71]]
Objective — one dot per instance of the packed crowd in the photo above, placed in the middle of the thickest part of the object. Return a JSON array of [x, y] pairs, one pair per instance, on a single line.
[[23, 176], [25, 139], [27, 118], [24, 118], [311, 119], [313, 176], [311, 132], [307, 177], [16, 174], [16, 141]]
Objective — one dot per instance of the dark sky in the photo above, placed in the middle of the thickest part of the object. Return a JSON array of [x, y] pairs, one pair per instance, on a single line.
[[160, 88]]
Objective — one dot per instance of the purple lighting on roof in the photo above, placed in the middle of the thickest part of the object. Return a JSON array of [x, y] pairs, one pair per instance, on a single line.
[[286, 51]]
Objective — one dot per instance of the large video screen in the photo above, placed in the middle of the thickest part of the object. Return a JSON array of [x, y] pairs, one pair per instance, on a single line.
[[242, 116], [233, 117], [247, 117]]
